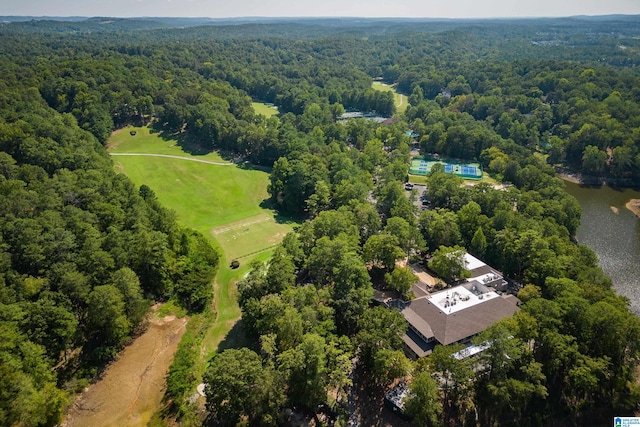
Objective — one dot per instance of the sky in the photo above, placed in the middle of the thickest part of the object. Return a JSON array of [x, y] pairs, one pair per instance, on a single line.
[[300, 8]]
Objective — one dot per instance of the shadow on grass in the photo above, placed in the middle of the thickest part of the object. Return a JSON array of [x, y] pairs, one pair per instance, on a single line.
[[190, 144], [246, 165], [235, 338], [290, 220], [184, 139], [269, 204], [279, 218]]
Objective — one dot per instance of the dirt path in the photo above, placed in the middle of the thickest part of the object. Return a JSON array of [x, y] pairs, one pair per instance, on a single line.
[[131, 389], [423, 275], [191, 159]]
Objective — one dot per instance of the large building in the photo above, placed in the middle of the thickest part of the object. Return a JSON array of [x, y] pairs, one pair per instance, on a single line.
[[457, 314]]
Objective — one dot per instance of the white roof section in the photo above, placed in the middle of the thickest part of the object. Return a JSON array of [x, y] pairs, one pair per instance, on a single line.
[[486, 278], [472, 262], [472, 350], [459, 298]]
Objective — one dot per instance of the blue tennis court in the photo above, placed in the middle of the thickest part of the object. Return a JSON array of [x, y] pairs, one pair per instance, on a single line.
[[468, 170], [422, 166]]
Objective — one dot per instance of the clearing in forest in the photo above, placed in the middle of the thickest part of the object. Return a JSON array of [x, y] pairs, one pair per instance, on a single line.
[[147, 140], [205, 193], [264, 108], [401, 100]]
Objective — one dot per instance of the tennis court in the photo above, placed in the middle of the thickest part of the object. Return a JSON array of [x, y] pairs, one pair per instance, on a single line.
[[421, 166]]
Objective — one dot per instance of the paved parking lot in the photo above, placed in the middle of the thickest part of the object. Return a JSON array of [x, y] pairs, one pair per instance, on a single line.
[[421, 193]]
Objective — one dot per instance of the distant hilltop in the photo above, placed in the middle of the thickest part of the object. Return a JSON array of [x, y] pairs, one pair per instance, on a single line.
[[313, 26], [194, 21]]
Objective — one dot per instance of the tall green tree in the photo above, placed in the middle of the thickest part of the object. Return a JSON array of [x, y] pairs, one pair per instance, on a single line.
[[237, 386], [107, 321], [380, 329], [449, 263], [382, 250], [423, 404], [400, 280]]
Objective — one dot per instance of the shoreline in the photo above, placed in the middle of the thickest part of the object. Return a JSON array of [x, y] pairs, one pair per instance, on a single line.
[[576, 179], [595, 181], [634, 206]]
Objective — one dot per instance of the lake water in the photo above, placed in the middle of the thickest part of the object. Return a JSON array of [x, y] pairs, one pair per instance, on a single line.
[[613, 233]]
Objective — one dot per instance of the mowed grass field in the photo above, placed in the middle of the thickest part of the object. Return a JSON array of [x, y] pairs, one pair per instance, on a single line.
[[264, 109], [148, 141], [401, 100], [204, 195], [222, 200]]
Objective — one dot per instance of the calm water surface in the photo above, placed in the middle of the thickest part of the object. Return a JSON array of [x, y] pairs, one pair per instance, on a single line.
[[614, 237]]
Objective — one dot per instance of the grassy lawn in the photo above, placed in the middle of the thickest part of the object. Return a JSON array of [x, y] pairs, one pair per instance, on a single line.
[[264, 109], [251, 235], [225, 333], [401, 100], [223, 202], [202, 194], [148, 141], [417, 179]]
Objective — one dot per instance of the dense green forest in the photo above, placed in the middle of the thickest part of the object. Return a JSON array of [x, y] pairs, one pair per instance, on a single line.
[[83, 253]]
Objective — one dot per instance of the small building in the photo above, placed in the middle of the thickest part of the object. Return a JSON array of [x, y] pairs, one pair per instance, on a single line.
[[484, 274], [411, 134], [395, 397]]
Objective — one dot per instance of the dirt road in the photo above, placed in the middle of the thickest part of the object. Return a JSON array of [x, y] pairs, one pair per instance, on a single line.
[[131, 389]]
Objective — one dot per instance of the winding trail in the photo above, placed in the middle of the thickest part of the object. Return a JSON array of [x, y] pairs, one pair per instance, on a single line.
[[174, 157]]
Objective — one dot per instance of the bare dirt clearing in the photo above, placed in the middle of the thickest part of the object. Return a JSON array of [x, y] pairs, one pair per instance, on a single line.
[[132, 387]]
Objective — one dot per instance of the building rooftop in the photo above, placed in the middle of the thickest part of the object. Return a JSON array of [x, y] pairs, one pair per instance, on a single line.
[[482, 273], [461, 297], [397, 395], [417, 344], [472, 262], [472, 350], [456, 314], [431, 316]]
